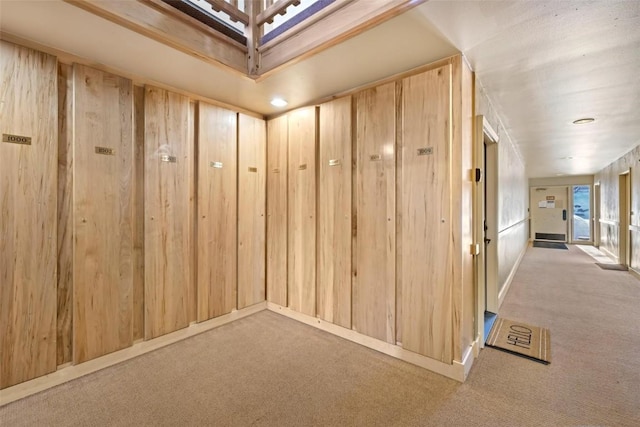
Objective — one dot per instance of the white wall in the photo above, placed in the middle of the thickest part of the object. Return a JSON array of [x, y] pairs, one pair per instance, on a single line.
[[513, 196]]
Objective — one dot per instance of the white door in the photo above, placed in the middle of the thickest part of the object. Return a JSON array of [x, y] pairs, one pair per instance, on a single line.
[[549, 213]]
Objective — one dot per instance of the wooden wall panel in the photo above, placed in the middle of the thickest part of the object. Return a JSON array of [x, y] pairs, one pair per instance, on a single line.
[[102, 213], [301, 276], [138, 214], [28, 204], [426, 216], [277, 167], [192, 291], [334, 212], [217, 211], [374, 289], [252, 179], [167, 216], [65, 228]]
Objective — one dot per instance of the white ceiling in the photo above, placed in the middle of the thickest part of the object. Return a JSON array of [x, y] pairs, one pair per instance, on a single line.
[[543, 65]]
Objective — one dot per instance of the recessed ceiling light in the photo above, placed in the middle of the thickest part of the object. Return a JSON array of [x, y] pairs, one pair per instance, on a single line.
[[584, 121], [278, 102]]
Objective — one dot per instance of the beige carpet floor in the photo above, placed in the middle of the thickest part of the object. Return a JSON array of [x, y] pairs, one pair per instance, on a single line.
[[272, 371]]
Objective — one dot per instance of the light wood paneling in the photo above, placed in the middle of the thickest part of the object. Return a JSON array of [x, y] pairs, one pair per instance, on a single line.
[[217, 211], [192, 292], [252, 162], [65, 229], [374, 292], [334, 212], [28, 205], [167, 216], [301, 276], [277, 167], [102, 213], [426, 216], [138, 214]]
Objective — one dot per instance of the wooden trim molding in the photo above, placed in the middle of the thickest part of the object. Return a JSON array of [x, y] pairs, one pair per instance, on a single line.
[[609, 222], [515, 224]]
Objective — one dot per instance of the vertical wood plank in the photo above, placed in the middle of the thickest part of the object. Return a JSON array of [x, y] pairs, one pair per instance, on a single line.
[[399, 138], [217, 211], [426, 266], [334, 212], [28, 207], [65, 228], [167, 216], [102, 213], [138, 214], [301, 247], [277, 167], [192, 302], [374, 292], [252, 162]]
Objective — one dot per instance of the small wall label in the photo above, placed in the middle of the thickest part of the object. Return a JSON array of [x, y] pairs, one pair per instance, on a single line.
[[425, 151], [106, 151], [16, 139], [169, 159], [252, 169], [217, 165], [335, 162], [375, 157]]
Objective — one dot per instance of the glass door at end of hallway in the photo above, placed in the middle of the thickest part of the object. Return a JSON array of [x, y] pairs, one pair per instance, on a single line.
[[581, 219]]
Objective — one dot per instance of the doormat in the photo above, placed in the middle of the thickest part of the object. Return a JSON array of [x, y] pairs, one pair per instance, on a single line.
[[521, 339], [617, 267], [549, 245]]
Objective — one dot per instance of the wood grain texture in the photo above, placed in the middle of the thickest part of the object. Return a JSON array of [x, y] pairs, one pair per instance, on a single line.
[[217, 211], [192, 291], [426, 266], [167, 216], [28, 205], [374, 291], [138, 213], [277, 167], [301, 247], [334, 212], [64, 336], [102, 213], [252, 204]]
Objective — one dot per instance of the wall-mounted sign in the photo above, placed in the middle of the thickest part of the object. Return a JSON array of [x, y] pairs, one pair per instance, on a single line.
[[425, 151], [375, 157], [217, 165], [106, 151], [334, 162], [16, 139], [302, 167], [551, 197], [251, 169], [169, 159]]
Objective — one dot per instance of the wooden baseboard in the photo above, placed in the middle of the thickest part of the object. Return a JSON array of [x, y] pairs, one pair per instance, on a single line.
[[635, 273], [457, 371], [69, 373], [505, 289]]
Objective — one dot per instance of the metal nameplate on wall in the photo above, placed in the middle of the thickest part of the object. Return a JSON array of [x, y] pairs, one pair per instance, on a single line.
[[425, 151], [375, 157], [105, 150], [251, 169], [335, 162], [169, 159], [217, 165], [302, 167], [16, 139]]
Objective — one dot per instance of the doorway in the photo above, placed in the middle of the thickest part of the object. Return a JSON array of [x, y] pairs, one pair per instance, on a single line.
[[581, 214], [549, 213], [624, 187], [486, 227]]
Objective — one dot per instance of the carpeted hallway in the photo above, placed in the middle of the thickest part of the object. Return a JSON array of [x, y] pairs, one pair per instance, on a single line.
[[270, 370]]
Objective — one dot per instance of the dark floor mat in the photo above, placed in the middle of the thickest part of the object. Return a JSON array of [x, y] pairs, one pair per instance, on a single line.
[[617, 267], [549, 245]]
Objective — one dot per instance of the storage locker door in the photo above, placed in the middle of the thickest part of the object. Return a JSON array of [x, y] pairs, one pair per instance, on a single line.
[[374, 298], [28, 203], [334, 212]]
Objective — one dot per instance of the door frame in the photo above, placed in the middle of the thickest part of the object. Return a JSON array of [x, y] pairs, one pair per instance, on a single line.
[[596, 214], [484, 134]]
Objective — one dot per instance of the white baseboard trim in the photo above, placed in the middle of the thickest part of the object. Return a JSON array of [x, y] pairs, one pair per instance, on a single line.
[[457, 371], [505, 289], [68, 373]]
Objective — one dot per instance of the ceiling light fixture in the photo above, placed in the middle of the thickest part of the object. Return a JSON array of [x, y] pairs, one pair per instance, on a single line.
[[584, 121], [278, 102]]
